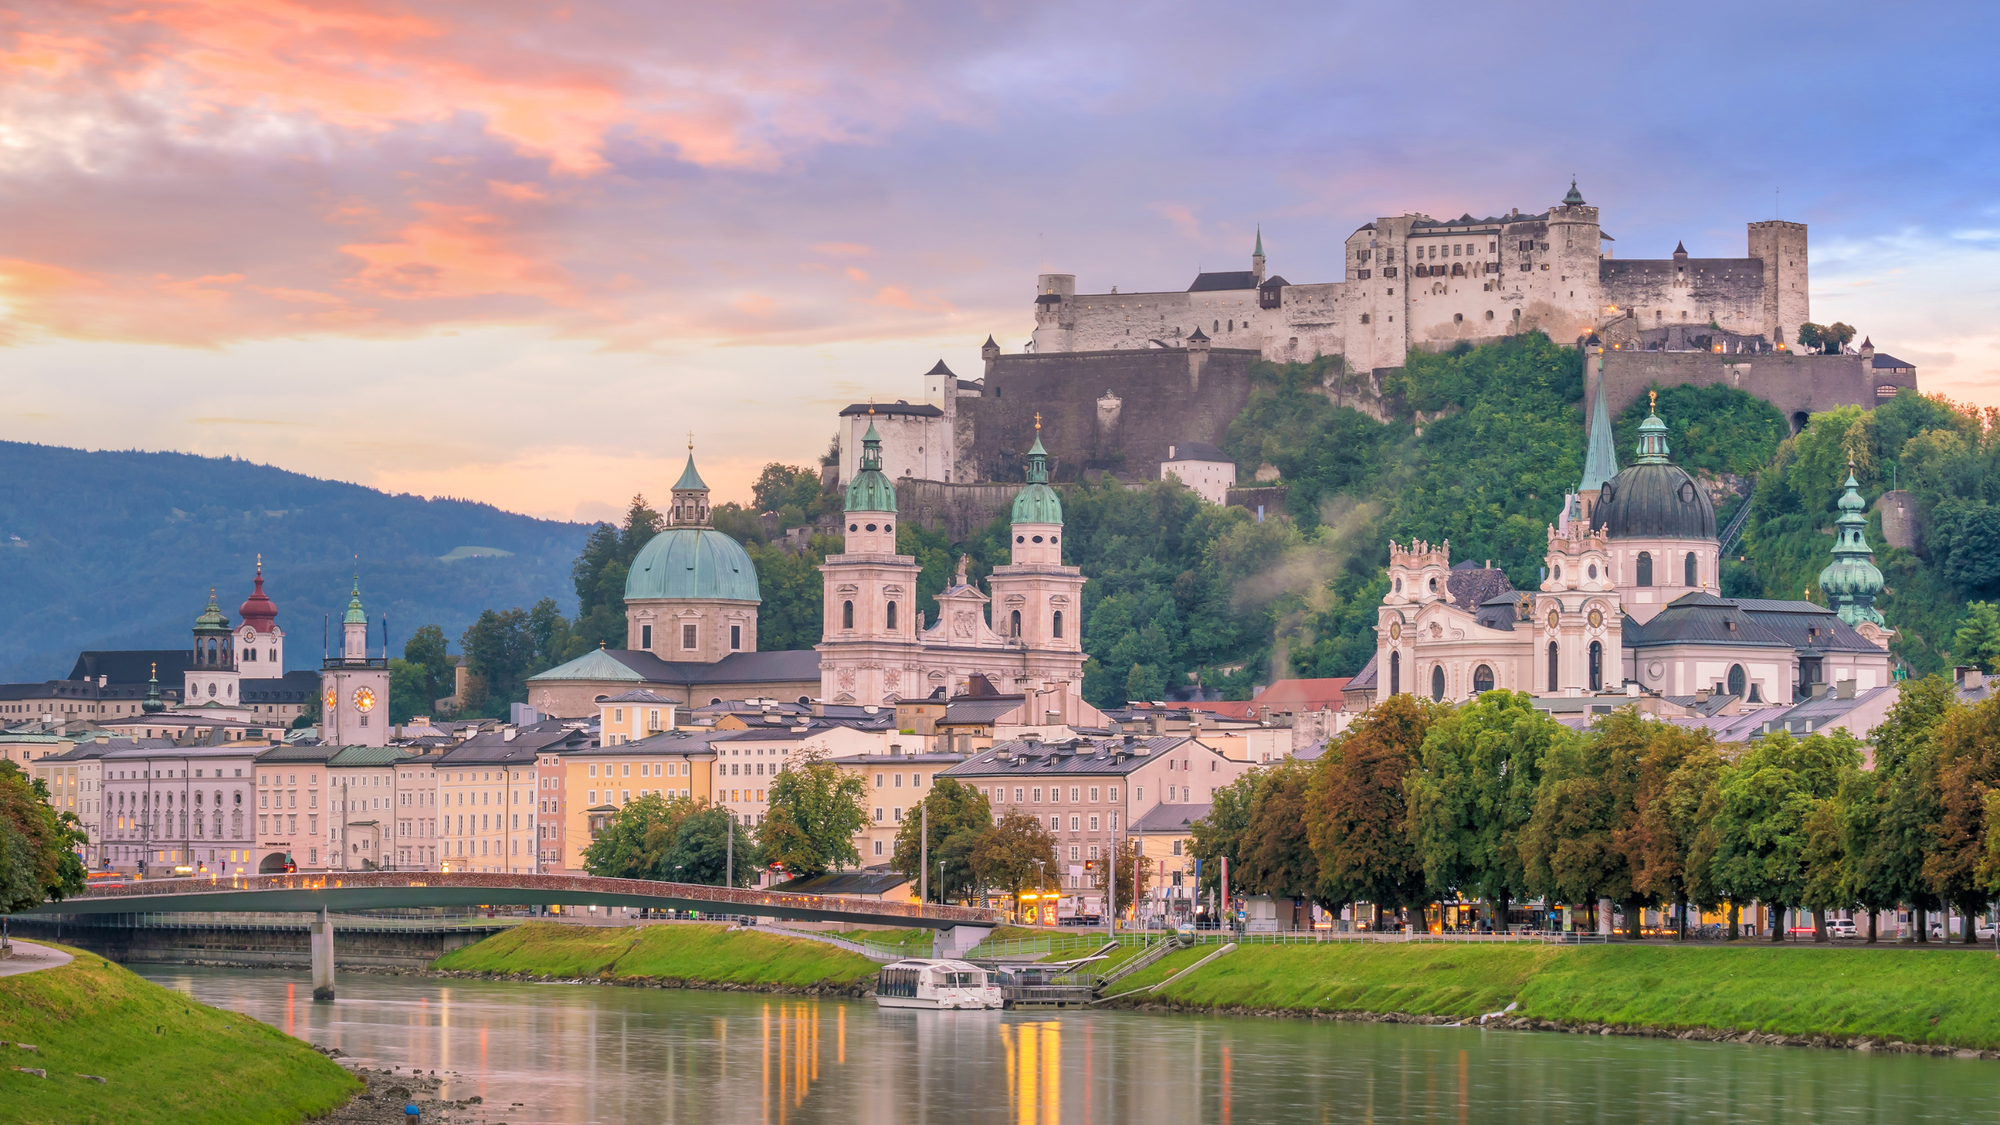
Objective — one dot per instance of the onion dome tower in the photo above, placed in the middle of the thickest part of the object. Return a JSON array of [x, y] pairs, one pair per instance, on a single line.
[[258, 611], [871, 502], [153, 704], [1654, 499], [214, 643], [1852, 580]]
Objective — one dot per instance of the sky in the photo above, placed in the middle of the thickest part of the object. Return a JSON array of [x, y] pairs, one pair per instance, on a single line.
[[517, 251]]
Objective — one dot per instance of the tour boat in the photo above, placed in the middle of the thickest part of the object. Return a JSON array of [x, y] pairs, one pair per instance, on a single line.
[[917, 982]]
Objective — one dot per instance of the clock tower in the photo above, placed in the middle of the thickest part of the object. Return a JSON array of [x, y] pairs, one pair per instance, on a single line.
[[354, 686]]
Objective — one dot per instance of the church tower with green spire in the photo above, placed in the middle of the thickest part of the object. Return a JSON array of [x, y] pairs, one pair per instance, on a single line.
[[869, 652], [1037, 601], [1852, 580], [354, 687]]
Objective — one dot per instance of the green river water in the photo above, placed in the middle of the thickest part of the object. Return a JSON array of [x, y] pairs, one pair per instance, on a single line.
[[620, 1056]]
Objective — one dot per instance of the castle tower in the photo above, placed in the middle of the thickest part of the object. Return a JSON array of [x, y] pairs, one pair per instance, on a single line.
[[259, 641], [1851, 581], [1787, 304], [1037, 601], [354, 687], [1257, 257], [868, 640], [212, 676], [1574, 280]]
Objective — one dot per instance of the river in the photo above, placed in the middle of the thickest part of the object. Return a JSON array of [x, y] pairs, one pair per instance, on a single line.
[[580, 1055]]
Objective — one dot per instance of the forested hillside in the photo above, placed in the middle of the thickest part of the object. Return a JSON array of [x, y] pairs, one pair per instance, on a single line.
[[1481, 446], [119, 549]]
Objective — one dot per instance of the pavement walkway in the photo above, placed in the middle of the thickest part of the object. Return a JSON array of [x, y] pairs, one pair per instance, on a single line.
[[29, 957]]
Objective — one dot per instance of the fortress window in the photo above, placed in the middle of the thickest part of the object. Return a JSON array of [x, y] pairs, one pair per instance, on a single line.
[[1364, 318], [1645, 568], [847, 615], [1437, 683], [1527, 267], [1527, 245], [1458, 249], [1056, 626], [1493, 247], [1388, 256], [1688, 571], [1489, 314], [890, 618], [1458, 318]]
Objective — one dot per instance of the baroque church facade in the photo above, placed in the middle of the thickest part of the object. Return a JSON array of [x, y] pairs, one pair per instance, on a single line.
[[1629, 603], [1025, 638]]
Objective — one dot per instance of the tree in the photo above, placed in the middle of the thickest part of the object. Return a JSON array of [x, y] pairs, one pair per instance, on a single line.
[[1133, 877], [427, 651], [1223, 831], [1357, 815], [1275, 855], [639, 841], [815, 810], [599, 574], [702, 849], [1967, 772], [1474, 793], [1570, 849], [1767, 803], [1890, 824], [1018, 852], [38, 846], [953, 810], [504, 649], [1667, 843], [1978, 639]]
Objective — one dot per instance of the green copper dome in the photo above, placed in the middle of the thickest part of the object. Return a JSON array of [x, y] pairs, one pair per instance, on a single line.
[[1654, 499], [211, 619], [693, 562], [1852, 580], [870, 490], [355, 614], [1038, 503]]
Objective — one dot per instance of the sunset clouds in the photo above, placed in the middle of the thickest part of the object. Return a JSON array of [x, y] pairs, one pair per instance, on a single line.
[[530, 217]]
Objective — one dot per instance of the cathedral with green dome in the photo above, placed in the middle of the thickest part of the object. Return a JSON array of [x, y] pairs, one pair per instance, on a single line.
[[1022, 635], [1630, 604]]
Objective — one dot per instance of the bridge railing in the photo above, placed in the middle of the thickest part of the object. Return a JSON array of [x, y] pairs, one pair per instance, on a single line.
[[558, 887], [457, 921]]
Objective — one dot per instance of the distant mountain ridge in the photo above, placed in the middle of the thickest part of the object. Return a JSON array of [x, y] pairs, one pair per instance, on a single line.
[[105, 550]]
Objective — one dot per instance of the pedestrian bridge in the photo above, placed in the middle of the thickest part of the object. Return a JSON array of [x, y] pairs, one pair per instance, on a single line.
[[960, 927]]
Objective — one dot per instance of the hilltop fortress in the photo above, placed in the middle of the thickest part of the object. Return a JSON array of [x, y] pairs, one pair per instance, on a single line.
[[1417, 282]]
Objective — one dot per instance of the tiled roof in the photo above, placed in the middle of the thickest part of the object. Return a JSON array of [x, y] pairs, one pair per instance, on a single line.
[[919, 410], [632, 666], [1018, 758], [1195, 451], [1171, 818]]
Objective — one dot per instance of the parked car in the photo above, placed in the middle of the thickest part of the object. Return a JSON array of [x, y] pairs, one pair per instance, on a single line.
[[1983, 931], [1840, 928]]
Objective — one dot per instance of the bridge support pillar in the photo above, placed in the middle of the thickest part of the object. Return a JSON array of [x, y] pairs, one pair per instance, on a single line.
[[322, 956], [957, 941]]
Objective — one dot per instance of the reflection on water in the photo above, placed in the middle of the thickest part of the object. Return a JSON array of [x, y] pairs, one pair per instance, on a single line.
[[579, 1053]]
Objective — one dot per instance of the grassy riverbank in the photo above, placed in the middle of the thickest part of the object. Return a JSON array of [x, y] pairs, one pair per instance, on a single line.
[[1928, 997], [696, 953], [163, 1057]]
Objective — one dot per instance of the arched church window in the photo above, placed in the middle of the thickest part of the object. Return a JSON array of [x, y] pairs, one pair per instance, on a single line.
[[890, 617], [1482, 679], [1596, 666], [1555, 667], [1737, 680], [847, 615], [1434, 585], [1645, 568], [1437, 682], [1688, 570], [1395, 673], [1056, 626], [1014, 625]]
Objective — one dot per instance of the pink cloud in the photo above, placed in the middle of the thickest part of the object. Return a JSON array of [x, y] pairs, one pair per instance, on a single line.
[[456, 252]]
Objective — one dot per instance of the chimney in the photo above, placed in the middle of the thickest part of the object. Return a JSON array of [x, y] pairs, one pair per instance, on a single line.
[[508, 732], [1844, 690], [1700, 696], [1117, 727]]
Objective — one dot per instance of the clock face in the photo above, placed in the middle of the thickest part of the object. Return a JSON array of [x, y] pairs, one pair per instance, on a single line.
[[332, 699], [1597, 619], [364, 700], [1555, 619]]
